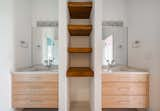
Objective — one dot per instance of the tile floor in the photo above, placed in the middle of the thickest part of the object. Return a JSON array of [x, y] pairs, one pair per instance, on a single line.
[[80, 106]]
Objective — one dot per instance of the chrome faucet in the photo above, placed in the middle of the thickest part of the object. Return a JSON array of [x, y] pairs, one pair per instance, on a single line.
[[110, 64], [49, 62]]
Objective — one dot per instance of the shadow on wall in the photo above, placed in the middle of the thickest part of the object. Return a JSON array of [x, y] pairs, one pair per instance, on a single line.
[[40, 109]]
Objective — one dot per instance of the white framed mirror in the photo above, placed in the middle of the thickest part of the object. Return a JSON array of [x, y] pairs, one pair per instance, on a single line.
[[45, 46], [115, 45]]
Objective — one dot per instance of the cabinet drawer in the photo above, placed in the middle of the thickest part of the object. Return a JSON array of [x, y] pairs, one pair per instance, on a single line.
[[34, 91], [124, 89], [35, 88], [34, 77], [35, 104], [41, 101], [35, 85], [125, 77], [35, 97], [125, 101], [35, 101]]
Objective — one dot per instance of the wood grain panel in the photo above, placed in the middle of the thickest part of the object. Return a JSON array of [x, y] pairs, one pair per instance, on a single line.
[[125, 78], [80, 10], [37, 97], [80, 72], [125, 101], [35, 91], [35, 77], [124, 89], [35, 88], [35, 103]]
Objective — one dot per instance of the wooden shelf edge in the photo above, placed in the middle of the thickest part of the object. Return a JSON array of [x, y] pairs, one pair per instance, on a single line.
[[80, 10], [79, 25], [79, 50], [79, 30], [73, 27], [79, 4], [80, 72]]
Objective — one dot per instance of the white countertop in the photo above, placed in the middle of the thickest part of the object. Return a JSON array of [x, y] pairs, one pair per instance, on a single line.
[[124, 70], [36, 70]]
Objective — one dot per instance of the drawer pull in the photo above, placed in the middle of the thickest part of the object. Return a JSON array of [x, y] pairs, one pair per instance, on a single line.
[[34, 78], [124, 102], [124, 89], [36, 101], [123, 78]]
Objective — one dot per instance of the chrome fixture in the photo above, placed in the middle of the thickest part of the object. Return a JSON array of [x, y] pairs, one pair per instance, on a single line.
[[110, 64], [49, 62]]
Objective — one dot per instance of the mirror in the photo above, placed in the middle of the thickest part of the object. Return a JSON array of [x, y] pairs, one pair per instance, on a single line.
[[45, 46], [115, 45]]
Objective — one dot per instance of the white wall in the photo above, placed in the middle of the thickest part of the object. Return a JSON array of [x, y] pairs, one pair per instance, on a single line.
[[114, 10], [6, 56], [142, 27], [28, 12], [79, 89], [96, 19], [143, 22], [44, 10], [63, 19]]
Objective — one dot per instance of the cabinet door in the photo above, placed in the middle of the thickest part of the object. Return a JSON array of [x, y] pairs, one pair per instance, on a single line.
[[34, 77], [35, 101], [125, 78]]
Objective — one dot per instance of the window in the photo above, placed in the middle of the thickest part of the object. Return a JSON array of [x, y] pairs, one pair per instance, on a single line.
[[108, 49]]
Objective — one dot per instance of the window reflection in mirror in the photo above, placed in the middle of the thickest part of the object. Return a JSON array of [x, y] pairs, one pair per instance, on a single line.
[[115, 45], [45, 46], [108, 49]]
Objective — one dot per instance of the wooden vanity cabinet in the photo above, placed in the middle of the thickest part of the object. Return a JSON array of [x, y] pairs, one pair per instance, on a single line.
[[125, 90], [35, 90]]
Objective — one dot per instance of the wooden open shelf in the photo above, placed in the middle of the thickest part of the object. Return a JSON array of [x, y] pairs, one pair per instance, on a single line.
[[80, 72], [80, 10], [80, 50], [79, 30]]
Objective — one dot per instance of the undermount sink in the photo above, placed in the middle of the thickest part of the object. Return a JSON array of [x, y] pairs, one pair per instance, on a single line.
[[35, 69], [123, 70]]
